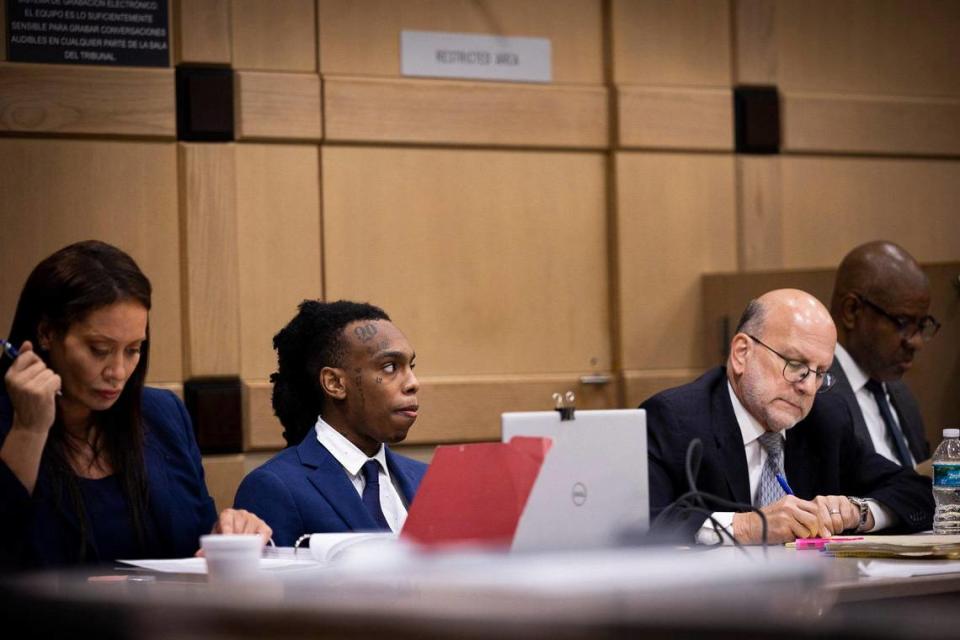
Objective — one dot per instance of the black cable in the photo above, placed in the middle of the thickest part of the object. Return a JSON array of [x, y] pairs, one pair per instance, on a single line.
[[698, 501]]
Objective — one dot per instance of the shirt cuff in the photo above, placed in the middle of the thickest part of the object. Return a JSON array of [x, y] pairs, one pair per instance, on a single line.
[[882, 516], [707, 534]]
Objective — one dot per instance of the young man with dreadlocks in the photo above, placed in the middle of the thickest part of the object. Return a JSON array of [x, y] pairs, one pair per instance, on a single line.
[[344, 390]]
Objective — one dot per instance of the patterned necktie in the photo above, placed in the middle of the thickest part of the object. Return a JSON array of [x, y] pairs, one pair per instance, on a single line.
[[893, 430], [371, 493], [769, 490]]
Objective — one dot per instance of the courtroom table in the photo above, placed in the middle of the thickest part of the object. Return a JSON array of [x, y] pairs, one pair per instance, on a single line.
[[787, 594]]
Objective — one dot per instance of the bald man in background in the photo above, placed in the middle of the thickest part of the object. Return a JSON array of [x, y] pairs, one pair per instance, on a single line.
[[757, 419], [880, 304]]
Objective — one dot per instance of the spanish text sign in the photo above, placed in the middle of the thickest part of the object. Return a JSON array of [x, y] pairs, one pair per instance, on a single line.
[[110, 32], [437, 54]]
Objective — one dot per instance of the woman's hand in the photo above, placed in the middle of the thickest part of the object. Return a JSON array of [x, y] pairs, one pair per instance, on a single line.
[[235, 521], [32, 387]]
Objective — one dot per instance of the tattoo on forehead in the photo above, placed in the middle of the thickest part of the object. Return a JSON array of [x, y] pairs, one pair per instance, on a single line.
[[365, 333]]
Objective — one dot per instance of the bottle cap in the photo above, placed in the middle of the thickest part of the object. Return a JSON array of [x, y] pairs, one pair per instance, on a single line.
[[951, 433]]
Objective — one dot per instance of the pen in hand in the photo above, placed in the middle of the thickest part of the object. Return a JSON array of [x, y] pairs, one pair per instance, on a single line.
[[783, 485], [9, 350], [786, 488], [12, 352]]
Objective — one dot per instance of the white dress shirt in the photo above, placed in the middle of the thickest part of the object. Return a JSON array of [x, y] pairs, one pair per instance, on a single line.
[[858, 378], [352, 460], [751, 430]]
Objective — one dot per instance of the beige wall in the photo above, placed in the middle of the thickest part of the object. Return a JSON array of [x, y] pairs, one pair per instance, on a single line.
[[523, 235]]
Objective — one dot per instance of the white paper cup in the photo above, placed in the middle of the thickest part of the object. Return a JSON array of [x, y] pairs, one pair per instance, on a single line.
[[232, 558]]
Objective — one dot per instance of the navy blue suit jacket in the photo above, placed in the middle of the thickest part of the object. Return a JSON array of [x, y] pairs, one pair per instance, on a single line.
[[822, 456], [303, 489], [39, 532]]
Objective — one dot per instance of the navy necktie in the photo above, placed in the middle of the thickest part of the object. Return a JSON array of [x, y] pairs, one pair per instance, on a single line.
[[880, 396], [371, 493]]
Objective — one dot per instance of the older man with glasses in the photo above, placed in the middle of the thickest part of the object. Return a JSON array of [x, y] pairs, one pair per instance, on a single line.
[[881, 304], [768, 456]]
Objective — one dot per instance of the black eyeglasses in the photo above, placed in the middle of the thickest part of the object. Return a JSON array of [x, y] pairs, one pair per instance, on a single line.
[[927, 326], [796, 371]]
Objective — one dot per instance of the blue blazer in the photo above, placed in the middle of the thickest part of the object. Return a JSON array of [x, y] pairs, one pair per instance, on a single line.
[[822, 456], [39, 532], [303, 489]]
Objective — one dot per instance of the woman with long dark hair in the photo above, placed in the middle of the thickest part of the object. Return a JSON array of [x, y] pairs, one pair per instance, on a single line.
[[93, 465]]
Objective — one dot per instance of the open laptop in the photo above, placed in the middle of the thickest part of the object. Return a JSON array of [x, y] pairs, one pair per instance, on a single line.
[[593, 484]]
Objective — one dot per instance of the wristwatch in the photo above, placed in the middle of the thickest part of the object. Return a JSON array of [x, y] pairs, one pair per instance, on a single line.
[[861, 504]]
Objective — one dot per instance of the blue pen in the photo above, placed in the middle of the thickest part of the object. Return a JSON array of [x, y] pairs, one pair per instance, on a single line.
[[9, 349], [783, 484], [12, 352]]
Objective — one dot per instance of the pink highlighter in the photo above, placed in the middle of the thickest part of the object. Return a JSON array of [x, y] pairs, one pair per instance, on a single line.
[[819, 543]]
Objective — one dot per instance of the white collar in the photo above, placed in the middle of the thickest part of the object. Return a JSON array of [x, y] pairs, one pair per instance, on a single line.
[[346, 453], [750, 427], [856, 376]]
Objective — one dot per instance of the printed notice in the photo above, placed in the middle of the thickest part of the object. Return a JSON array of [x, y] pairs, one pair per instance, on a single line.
[[109, 32], [435, 54]]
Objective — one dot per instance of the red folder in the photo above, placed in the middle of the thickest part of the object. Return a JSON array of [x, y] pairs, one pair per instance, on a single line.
[[475, 493]]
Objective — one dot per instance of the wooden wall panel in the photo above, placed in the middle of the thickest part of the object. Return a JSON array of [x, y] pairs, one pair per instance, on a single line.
[[640, 385], [261, 428], [759, 212], [362, 37], [675, 220], [432, 111], [202, 31], [274, 35], [871, 124], [278, 230], [208, 227], [681, 42], [277, 106], [468, 408], [40, 98], [60, 191], [671, 118], [896, 47], [223, 475], [492, 262], [832, 204], [755, 57]]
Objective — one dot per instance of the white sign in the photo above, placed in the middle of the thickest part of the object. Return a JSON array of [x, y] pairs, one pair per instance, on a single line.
[[436, 54]]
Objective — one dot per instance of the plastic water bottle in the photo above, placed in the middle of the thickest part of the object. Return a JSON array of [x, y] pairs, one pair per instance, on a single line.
[[946, 483]]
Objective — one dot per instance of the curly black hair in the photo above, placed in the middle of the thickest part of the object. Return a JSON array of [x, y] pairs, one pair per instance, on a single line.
[[312, 340]]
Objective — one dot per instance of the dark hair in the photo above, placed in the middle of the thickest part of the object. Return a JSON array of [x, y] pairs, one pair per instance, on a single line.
[[61, 291], [314, 339], [752, 319]]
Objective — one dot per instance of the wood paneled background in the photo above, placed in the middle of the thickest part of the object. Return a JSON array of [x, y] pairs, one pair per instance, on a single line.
[[522, 235]]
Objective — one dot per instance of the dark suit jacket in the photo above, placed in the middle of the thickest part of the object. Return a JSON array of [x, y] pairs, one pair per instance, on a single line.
[[39, 532], [822, 456], [303, 489], [903, 401]]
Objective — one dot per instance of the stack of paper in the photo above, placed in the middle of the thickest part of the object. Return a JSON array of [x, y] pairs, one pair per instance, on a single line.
[[927, 547]]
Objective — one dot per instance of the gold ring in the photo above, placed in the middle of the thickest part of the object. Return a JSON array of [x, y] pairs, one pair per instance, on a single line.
[[835, 511]]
